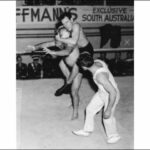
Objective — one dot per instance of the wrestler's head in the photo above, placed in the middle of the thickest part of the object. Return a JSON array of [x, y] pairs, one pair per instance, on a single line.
[[67, 20], [63, 33], [85, 61]]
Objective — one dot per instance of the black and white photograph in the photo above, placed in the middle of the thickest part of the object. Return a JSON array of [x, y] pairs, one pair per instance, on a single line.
[[75, 74]]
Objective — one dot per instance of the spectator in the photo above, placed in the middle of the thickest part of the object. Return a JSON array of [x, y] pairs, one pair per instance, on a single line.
[[21, 68], [34, 68]]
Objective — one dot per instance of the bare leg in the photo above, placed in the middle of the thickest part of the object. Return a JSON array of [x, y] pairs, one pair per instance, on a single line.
[[75, 95], [66, 73], [64, 69], [66, 88], [73, 74]]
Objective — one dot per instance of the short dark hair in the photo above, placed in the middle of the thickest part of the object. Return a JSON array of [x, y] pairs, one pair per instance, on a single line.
[[85, 60], [60, 28], [65, 14], [57, 26]]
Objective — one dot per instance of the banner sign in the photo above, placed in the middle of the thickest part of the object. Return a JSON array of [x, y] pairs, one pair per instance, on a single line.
[[83, 14]]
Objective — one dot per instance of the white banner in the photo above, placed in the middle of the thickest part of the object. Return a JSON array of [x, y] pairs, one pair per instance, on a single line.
[[83, 14]]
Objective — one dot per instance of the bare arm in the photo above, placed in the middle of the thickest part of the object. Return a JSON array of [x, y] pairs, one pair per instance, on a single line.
[[65, 52], [62, 53], [46, 44], [102, 78], [73, 74], [41, 45], [75, 36]]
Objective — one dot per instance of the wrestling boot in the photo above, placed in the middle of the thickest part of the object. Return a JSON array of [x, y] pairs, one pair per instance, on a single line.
[[65, 89]]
